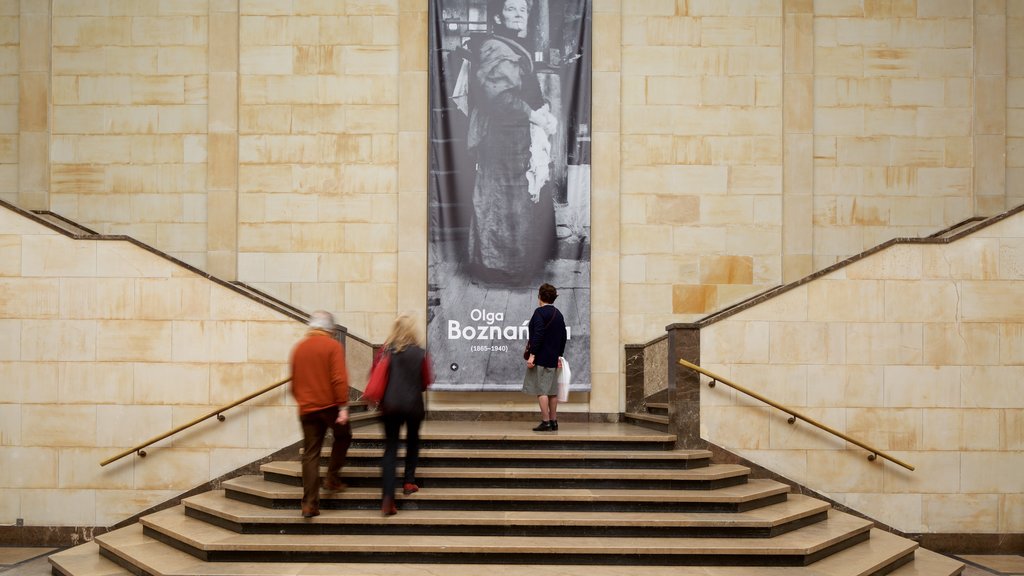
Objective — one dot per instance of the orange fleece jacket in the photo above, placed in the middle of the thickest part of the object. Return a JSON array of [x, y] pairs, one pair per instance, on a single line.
[[319, 376]]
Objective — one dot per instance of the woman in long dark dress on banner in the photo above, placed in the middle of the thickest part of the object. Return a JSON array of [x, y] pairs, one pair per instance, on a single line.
[[512, 232]]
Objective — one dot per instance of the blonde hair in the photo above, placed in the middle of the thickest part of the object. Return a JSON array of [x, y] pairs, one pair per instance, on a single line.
[[403, 334]]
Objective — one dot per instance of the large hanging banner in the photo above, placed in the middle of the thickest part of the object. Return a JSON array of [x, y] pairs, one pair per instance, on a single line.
[[509, 184]]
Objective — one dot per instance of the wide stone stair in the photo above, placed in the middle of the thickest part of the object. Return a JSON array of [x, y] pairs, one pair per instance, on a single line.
[[591, 499]]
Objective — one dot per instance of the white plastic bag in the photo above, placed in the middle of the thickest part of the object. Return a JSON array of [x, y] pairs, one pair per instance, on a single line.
[[564, 375]]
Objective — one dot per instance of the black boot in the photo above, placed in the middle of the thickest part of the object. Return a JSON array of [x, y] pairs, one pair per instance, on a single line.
[[554, 425], [544, 426]]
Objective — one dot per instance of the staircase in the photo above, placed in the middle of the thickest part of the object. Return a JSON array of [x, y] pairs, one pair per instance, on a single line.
[[653, 415], [494, 493]]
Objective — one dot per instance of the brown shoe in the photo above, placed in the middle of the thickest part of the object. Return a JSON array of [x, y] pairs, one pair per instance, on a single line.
[[387, 507], [334, 485], [310, 511]]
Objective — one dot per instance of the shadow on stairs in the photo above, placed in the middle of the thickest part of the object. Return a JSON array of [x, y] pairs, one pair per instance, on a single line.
[[613, 496]]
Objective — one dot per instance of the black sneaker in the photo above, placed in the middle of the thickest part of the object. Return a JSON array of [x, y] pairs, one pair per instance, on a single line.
[[554, 425], [544, 426]]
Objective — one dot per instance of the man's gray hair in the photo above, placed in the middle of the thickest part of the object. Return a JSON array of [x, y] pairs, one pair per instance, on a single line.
[[322, 320]]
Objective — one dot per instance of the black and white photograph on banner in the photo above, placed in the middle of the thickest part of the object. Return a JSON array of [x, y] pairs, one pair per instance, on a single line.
[[509, 184]]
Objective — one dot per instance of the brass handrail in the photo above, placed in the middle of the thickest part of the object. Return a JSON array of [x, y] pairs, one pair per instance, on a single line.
[[794, 415], [217, 413]]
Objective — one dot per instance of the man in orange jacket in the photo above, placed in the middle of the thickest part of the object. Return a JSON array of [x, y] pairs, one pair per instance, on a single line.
[[320, 387]]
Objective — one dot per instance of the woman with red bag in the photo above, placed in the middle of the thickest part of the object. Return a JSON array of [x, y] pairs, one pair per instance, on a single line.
[[409, 375]]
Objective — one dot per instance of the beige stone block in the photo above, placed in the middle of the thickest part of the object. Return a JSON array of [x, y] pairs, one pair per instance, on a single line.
[[1011, 513], [202, 341], [885, 344], [10, 425], [229, 382], [113, 506], [982, 430], [991, 472], [272, 426], [58, 507], [1011, 344], [731, 342], [290, 267], [991, 301], [896, 262], [844, 471], [91, 383], [1011, 259], [726, 270], [139, 341], [807, 342], [886, 428], [944, 122], [29, 298], [693, 298], [53, 255], [58, 425], [718, 425], [921, 301], [990, 99], [265, 340], [647, 240], [922, 386], [28, 467], [212, 433], [266, 60], [27, 382], [992, 386], [184, 119], [122, 259], [866, 151], [84, 298], [846, 300], [961, 344], [948, 512], [691, 240], [845, 386], [172, 469], [158, 89], [125, 426], [79, 469], [70, 340], [969, 258]]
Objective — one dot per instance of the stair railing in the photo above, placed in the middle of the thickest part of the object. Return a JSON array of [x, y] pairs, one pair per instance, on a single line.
[[794, 415], [218, 413]]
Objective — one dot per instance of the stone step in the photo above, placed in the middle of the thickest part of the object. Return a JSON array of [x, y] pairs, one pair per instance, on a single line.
[[657, 408], [146, 555], [676, 459], [928, 563], [85, 560], [646, 420], [765, 522], [215, 544], [519, 436], [742, 497], [707, 478]]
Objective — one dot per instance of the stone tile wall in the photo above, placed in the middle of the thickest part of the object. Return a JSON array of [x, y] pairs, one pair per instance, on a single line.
[[9, 91], [702, 158], [104, 345], [1014, 102], [318, 155], [914, 349]]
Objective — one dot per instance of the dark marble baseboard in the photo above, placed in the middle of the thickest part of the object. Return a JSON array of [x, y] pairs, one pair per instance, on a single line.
[[480, 416]]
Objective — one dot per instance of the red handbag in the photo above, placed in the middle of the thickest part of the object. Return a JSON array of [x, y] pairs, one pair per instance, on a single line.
[[378, 382]]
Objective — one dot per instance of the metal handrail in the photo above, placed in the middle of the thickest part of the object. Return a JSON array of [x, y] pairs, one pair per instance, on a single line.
[[218, 413], [794, 415]]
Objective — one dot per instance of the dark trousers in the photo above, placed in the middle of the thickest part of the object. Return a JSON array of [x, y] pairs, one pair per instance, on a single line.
[[314, 428], [392, 429]]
